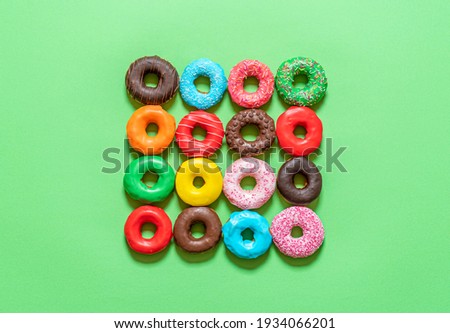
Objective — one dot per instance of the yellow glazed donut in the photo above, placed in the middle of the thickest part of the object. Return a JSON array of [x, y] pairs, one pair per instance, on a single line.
[[203, 168]]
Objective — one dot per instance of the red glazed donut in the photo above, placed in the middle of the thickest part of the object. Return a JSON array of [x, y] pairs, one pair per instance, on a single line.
[[192, 147], [243, 70], [286, 124], [133, 226]]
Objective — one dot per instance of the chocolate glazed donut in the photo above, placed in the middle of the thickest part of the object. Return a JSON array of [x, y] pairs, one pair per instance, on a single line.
[[265, 137], [168, 80], [184, 222], [286, 186]]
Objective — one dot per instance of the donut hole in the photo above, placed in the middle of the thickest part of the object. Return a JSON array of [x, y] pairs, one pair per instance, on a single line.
[[248, 183], [148, 230], [199, 133], [251, 84], [249, 132], [248, 236], [203, 84], [296, 232], [151, 80], [197, 229], [300, 132], [300, 81], [199, 182], [150, 179], [300, 181], [152, 129]]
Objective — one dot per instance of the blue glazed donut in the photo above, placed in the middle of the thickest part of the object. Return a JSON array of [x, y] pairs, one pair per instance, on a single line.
[[216, 75], [247, 249]]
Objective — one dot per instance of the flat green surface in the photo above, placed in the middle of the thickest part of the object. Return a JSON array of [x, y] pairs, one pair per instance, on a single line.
[[63, 102]]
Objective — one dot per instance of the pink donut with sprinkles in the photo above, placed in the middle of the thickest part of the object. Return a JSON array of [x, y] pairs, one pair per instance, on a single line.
[[249, 167], [310, 224], [243, 70]]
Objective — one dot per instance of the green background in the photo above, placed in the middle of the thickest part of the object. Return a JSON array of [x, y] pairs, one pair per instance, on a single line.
[[64, 101]]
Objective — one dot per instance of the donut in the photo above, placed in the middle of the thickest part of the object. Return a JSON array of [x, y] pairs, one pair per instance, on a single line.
[[133, 227], [137, 130], [218, 84], [249, 167], [167, 80], [314, 89], [286, 124], [286, 186], [132, 181], [264, 139], [205, 169], [234, 241], [182, 229], [243, 70], [192, 147], [308, 221]]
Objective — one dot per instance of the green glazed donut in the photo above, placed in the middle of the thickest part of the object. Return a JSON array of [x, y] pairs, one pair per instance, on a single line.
[[140, 191], [314, 89]]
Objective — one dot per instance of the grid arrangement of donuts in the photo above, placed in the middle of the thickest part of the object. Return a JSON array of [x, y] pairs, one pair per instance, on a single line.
[[199, 152]]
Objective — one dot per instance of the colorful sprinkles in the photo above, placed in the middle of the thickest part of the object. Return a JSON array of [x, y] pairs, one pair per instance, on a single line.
[[315, 88], [197, 150]]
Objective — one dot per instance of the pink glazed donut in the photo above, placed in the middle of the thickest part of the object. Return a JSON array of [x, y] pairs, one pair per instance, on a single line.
[[304, 218], [243, 70], [249, 167]]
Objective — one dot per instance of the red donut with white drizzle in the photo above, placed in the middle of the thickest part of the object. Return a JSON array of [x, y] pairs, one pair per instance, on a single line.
[[192, 147]]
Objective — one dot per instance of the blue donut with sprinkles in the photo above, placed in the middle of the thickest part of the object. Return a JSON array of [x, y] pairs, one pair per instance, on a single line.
[[216, 75], [232, 234]]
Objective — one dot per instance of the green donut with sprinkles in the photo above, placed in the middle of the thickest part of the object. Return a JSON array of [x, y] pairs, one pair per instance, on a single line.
[[315, 87]]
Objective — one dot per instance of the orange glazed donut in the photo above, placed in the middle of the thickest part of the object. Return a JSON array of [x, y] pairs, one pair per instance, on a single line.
[[137, 129]]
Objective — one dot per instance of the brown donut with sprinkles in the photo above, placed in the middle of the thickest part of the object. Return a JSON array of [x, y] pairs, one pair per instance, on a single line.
[[168, 80], [264, 140], [190, 216]]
